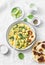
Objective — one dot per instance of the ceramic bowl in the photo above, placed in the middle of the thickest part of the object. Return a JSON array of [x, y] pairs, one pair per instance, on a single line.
[[15, 24]]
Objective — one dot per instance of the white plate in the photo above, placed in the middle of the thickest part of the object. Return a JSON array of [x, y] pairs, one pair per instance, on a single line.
[[17, 23]]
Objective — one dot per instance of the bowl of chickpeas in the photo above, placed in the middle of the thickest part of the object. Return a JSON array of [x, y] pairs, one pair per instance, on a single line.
[[20, 35]]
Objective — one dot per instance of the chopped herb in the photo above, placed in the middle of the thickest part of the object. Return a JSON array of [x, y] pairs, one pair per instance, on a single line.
[[21, 46], [30, 16], [21, 56], [18, 44], [14, 32], [15, 27], [19, 14], [12, 37], [25, 19], [22, 27], [14, 10], [21, 36], [32, 4]]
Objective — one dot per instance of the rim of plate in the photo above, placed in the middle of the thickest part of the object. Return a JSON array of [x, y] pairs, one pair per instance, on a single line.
[[15, 24]]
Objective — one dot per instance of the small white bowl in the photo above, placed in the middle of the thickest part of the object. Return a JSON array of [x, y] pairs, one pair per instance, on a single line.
[[3, 49], [38, 23], [20, 16]]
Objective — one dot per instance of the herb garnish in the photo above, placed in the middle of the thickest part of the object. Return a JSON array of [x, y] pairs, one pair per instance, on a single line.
[[30, 16], [12, 37], [21, 56]]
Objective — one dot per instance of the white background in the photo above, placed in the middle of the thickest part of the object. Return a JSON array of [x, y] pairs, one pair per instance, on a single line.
[[5, 20]]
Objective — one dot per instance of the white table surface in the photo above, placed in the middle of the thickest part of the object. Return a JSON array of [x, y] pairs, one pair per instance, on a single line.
[[5, 20]]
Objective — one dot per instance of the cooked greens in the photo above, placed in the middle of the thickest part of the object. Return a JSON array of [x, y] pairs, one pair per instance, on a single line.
[[25, 19], [12, 37]]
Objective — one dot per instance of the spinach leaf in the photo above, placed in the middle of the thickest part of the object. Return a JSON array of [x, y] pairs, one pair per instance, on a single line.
[[30, 16], [25, 19], [12, 37], [21, 36], [21, 56]]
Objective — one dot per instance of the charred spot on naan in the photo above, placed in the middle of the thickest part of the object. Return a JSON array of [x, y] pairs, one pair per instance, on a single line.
[[37, 53], [41, 59], [30, 32], [41, 50], [43, 46]]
